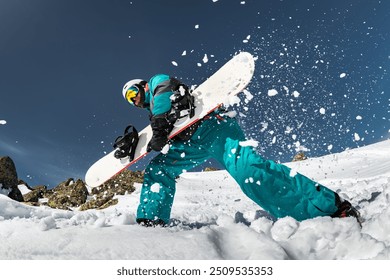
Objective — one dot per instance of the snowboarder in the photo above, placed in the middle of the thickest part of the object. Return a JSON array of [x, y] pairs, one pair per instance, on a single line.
[[272, 186]]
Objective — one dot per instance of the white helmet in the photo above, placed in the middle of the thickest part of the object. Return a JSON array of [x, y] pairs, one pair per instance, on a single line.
[[129, 84]]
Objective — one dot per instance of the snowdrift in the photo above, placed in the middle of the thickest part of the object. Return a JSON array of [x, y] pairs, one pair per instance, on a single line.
[[212, 219]]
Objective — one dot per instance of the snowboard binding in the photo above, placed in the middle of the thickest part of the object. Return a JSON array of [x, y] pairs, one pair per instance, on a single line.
[[126, 144]]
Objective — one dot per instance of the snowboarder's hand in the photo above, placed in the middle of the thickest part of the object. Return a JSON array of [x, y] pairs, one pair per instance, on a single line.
[[156, 144], [161, 128]]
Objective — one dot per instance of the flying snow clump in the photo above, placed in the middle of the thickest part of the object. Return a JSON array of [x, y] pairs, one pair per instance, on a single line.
[[272, 92]]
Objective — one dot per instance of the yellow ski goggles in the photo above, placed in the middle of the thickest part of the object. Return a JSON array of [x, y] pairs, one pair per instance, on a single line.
[[131, 93]]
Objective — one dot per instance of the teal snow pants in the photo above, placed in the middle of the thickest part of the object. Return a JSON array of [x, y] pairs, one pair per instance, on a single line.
[[267, 183]]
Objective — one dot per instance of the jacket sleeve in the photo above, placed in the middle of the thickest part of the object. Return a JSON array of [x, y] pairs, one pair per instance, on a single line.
[[160, 108]]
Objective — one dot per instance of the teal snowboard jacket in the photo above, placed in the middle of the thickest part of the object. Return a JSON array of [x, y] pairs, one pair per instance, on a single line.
[[158, 101]]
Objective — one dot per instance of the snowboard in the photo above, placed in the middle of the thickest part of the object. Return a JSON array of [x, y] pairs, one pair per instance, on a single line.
[[228, 81]]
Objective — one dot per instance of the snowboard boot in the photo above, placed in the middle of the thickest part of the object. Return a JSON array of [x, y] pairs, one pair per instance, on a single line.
[[345, 209], [150, 223]]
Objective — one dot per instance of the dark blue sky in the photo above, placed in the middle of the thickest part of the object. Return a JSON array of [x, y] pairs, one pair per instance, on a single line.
[[63, 64]]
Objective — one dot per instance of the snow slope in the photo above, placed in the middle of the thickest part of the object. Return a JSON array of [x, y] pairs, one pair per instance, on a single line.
[[214, 220]]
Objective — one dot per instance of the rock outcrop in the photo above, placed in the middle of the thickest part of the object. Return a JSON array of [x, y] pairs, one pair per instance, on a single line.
[[299, 157], [70, 194], [104, 195], [9, 179]]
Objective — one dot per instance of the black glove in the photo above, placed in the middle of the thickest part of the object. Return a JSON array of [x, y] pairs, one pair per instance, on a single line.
[[161, 128], [156, 145]]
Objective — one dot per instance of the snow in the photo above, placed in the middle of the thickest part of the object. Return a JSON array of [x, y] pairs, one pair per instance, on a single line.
[[216, 220], [248, 96], [205, 59], [296, 94], [246, 40], [23, 189], [272, 92], [165, 149], [343, 75], [155, 188], [356, 136], [250, 142]]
